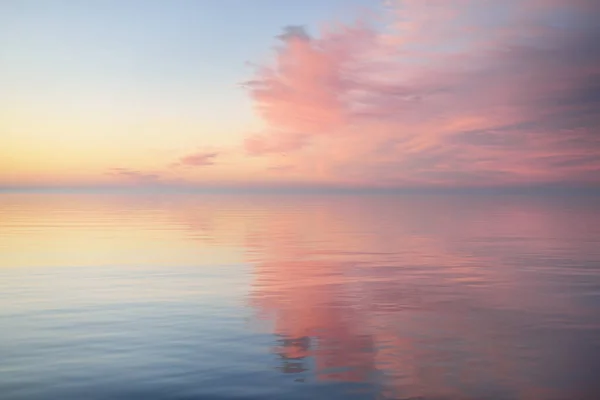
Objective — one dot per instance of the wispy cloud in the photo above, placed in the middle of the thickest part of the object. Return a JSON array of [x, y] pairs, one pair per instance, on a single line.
[[448, 92], [199, 159], [132, 175]]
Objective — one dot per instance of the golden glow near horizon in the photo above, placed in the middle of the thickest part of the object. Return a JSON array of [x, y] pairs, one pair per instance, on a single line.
[[41, 146]]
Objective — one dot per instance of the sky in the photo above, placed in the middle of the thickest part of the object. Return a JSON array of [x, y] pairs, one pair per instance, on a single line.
[[312, 93]]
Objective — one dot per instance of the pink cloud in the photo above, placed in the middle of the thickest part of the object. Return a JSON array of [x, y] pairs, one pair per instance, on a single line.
[[199, 159], [458, 92], [134, 175]]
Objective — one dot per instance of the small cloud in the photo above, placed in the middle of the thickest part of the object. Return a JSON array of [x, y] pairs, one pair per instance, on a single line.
[[200, 159], [294, 32], [133, 175]]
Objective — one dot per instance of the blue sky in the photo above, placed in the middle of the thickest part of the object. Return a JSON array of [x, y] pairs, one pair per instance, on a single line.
[[103, 52]]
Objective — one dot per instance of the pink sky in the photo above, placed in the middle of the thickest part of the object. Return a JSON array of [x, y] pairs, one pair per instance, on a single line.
[[436, 93], [439, 97]]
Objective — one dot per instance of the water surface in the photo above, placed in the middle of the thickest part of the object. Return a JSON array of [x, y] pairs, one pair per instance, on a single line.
[[115, 296]]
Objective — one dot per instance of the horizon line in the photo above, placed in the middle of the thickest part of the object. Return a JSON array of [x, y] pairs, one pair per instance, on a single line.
[[301, 189]]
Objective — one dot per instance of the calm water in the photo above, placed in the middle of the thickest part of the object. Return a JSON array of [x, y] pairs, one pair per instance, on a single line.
[[299, 297]]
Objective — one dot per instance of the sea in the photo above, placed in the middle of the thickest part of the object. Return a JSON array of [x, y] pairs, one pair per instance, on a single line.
[[250, 296]]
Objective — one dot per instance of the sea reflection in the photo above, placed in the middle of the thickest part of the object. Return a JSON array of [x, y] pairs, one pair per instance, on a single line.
[[433, 298], [299, 297]]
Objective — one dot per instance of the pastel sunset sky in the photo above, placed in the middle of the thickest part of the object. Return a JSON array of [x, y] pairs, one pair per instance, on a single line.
[[290, 93]]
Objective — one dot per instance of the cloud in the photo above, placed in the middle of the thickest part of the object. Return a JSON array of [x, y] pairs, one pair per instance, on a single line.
[[457, 92], [199, 159], [133, 175]]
